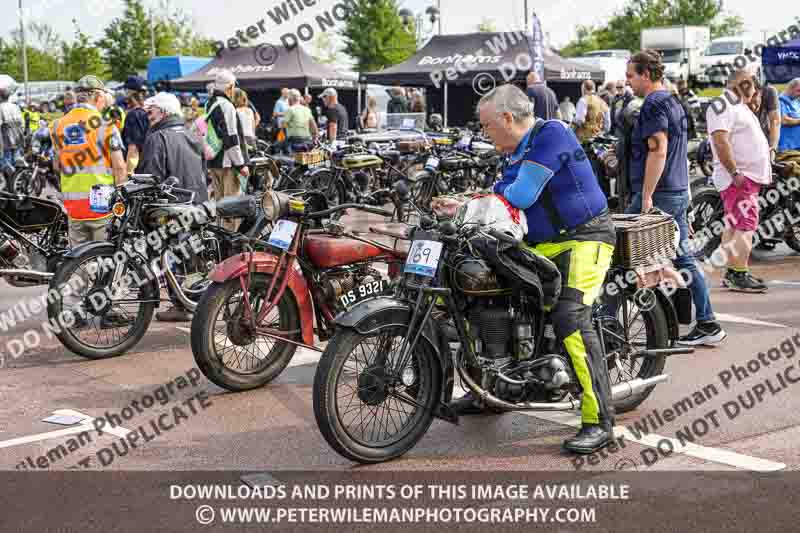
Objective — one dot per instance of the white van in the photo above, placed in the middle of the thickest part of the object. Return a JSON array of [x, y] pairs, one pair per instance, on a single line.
[[719, 59]]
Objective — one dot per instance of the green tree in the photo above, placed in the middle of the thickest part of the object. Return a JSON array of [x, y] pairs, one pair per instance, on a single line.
[[585, 41], [175, 34], [126, 41], [42, 48], [487, 25], [624, 28], [375, 36], [82, 57], [726, 26]]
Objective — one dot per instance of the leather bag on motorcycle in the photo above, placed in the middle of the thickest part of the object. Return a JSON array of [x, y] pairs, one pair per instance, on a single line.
[[525, 271]]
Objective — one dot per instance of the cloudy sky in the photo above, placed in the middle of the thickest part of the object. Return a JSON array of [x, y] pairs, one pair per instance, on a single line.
[[221, 18]]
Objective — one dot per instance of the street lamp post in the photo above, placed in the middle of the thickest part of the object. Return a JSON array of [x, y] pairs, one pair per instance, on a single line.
[[24, 51]]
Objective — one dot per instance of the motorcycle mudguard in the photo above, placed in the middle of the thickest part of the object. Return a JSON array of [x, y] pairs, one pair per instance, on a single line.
[[89, 247], [265, 263], [669, 310], [370, 315]]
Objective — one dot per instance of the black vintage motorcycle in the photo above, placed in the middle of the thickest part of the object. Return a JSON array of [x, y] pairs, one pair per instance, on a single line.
[[31, 178], [33, 239], [779, 213], [389, 370], [105, 292]]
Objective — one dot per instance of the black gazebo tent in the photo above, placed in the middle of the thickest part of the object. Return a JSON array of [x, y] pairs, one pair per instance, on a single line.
[[503, 56], [263, 70]]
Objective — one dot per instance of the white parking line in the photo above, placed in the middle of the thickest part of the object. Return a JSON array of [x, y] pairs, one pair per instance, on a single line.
[[84, 425], [716, 455], [722, 317]]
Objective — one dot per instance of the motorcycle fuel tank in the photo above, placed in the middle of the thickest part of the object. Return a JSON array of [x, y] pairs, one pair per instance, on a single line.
[[327, 252], [159, 215], [361, 161], [477, 278]]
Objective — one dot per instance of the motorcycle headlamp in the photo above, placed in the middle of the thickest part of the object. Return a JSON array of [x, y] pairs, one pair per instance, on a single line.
[[276, 205]]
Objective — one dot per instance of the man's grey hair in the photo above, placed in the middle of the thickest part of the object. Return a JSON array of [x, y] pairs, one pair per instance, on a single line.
[[791, 85], [509, 99], [295, 95]]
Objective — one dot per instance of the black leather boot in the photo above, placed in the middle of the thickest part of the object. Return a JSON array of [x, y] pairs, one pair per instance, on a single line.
[[467, 405], [590, 438]]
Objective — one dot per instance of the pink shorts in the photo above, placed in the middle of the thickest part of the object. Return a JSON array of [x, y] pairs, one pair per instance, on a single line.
[[741, 204]]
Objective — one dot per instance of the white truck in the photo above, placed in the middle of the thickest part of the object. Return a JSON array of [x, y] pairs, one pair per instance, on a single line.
[[612, 62], [720, 58], [681, 48]]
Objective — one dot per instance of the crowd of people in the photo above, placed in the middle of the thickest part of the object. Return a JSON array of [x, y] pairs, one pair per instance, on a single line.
[[567, 212]]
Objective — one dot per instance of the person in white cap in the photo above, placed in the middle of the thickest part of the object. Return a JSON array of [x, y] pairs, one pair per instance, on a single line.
[[232, 159], [338, 120], [171, 151]]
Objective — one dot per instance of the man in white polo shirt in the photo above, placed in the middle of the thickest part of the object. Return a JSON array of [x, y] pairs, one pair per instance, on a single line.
[[741, 167]]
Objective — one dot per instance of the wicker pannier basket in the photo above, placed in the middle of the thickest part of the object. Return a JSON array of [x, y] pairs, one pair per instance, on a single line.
[[310, 158], [644, 240]]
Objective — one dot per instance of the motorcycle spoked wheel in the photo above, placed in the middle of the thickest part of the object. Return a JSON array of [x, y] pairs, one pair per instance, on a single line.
[[639, 323], [82, 335], [365, 414], [332, 188], [23, 182], [706, 208], [220, 338]]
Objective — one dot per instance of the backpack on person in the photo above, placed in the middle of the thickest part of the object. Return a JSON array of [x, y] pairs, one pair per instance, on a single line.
[[204, 129]]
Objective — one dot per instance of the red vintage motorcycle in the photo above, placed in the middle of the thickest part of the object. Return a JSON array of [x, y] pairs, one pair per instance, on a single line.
[[264, 303]]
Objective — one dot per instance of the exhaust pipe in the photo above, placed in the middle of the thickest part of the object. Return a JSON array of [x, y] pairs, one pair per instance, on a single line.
[[620, 391], [187, 304], [626, 389], [33, 275], [494, 401]]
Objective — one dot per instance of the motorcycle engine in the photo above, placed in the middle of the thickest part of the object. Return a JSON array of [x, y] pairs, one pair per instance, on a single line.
[[505, 341], [333, 284], [17, 256], [362, 180]]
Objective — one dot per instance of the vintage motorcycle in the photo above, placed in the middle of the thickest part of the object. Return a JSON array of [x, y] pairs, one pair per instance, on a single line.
[[33, 239], [262, 305], [468, 166], [779, 215], [37, 171], [107, 291], [389, 369]]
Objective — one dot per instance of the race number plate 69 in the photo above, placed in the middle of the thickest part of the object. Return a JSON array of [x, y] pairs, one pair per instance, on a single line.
[[423, 258], [282, 234]]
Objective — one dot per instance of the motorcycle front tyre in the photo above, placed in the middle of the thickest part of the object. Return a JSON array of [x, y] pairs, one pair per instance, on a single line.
[[148, 291], [326, 397]]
